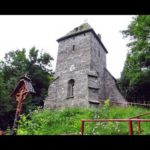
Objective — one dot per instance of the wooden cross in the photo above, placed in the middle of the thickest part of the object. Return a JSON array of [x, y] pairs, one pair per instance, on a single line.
[[21, 92]]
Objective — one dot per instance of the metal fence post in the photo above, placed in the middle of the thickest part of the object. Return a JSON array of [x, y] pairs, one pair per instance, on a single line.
[[130, 127], [82, 127], [139, 126]]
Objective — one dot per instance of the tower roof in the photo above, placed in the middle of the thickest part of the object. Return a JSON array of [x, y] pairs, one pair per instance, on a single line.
[[77, 30], [85, 27], [81, 28]]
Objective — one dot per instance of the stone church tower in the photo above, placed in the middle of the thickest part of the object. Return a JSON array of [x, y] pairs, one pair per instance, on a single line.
[[81, 77]]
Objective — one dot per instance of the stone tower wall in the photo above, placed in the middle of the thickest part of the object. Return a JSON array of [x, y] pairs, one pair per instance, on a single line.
[[79, 57], [98, 62]]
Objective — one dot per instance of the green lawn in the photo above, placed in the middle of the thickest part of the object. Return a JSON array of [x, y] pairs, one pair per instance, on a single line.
[[67, 121]]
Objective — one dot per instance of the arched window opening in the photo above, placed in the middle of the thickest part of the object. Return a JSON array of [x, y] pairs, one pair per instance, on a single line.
[[71, 88]]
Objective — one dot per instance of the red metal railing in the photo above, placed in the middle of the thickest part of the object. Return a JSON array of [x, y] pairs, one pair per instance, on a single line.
[[138, 122], [129, 120]]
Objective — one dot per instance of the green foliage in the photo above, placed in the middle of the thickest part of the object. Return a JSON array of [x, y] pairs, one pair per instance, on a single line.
[[15, 65], [6, 104], [135, 78], [68, 121], [107, 103], [64, 121]]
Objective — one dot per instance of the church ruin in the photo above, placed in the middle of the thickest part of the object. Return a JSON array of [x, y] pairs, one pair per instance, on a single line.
[[81, 76]]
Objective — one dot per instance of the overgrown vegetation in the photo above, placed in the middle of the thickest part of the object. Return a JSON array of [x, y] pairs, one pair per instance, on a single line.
[[68, 121]]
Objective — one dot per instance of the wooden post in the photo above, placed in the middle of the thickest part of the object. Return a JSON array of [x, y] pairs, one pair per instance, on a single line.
[[21, 91], [20, 96]]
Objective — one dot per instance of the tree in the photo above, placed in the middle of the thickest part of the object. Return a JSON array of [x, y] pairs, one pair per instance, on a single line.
[[6, 105], [135, 77], [15, 65]]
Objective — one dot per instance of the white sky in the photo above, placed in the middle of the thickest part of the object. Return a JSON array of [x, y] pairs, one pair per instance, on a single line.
[[42, 31]]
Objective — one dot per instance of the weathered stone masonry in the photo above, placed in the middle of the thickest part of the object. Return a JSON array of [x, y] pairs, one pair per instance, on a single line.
[[81, 77]]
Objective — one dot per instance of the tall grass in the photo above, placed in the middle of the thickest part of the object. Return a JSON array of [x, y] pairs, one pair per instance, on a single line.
[[68, 121]]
